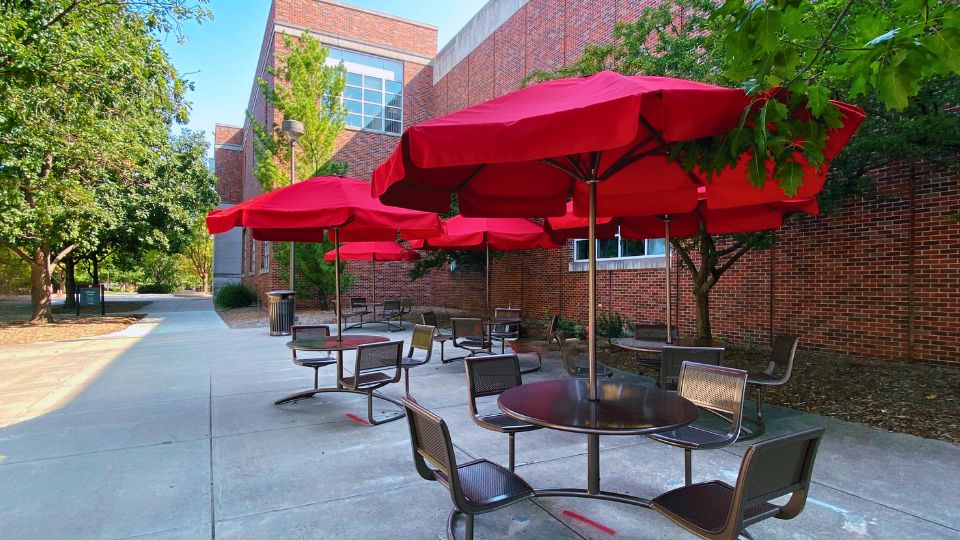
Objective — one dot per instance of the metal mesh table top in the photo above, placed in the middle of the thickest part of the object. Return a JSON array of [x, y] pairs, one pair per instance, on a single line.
[[348, 342], [623, 408]]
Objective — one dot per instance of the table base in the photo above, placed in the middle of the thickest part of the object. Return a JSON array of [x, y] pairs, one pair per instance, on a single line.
[[314, 391], [601, 495]]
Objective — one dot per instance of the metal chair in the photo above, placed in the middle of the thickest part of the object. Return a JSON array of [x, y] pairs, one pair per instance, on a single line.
[[406, 308], [672, 357], [429, 318], [358, 309], [716, 389], [491, 376], [653, 332], [391, 312], [770, 469], [302, 331], [553, 333], [372, 368], [476, 487], [422, 339], [569, 352], [784, 350], [468, 335], [503, 332]]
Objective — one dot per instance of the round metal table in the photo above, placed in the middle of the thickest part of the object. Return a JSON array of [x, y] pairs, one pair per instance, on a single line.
[[622, 409], [346, 343]]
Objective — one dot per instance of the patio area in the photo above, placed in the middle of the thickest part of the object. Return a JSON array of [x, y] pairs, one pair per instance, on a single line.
[[169, 431]]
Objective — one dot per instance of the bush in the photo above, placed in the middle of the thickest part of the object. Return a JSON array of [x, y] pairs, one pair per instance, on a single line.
[[568, 329], [154, 288], [235, 295], [610, 324]]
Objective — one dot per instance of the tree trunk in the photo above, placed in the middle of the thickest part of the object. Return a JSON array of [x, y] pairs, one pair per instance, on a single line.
[[96, 270], [70, 281], [206, 282], [702, 296], [41, 286]]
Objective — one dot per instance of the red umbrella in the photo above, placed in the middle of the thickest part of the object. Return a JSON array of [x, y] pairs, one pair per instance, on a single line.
[[372, 251], [604, 139], [503, 234], [307, 211]]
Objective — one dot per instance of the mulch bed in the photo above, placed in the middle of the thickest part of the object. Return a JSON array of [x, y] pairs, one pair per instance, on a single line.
[[66, 325], [918, 399]]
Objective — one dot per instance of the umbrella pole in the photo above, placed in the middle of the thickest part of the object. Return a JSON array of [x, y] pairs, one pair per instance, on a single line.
[[667, 258], [488, 278], [336, 273], [374, 260], [592, 293]]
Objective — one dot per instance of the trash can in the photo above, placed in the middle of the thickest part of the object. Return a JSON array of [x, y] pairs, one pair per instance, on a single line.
[[281, 312]]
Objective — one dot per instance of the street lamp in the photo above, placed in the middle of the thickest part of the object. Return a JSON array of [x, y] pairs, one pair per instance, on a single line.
[[293, 129]]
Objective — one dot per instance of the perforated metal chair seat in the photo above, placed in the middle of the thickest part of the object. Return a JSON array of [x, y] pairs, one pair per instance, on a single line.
[[315, 362], [485, 483], [473, 343], [413, 362], [694, 437], [367, 380], [584, 371], [706, 507], [762, 377], [503, 423]]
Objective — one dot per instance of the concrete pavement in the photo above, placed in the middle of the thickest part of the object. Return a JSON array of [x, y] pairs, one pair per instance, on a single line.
[[168, 430]]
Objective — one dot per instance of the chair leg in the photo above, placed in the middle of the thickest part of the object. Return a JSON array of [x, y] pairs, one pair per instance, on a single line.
[[513, 454], [468, 529], [687, 466], [370, 412], [406, 380], [316, 378], [759, 411]]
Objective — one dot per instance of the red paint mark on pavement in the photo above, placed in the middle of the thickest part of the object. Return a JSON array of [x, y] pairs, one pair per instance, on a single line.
[[584, 519], [357, 419]]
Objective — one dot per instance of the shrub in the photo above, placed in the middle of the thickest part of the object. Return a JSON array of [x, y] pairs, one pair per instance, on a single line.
[[154, 288], [610, 324], [567, 328], [235, 295]]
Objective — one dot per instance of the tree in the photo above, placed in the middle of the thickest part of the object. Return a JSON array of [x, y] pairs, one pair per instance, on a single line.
[[791, 56], [84, 114], [304, 88], [313, 272], [198, 256]]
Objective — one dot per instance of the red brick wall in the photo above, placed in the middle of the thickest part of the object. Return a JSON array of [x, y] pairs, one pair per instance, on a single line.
[[229, 163]]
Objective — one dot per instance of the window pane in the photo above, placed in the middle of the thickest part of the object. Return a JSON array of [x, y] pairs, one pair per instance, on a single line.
[[372, 110], [352, 92], [375, 124], [394, 100], [372, 96], [393, 127], [393, 113], [394, 87], [353, 106], [374, 83], [632, 248], [354, 79], [580, 250], [655, 247], [353, 120], [606, 249]]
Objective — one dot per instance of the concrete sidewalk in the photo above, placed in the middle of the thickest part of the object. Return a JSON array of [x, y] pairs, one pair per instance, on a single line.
[[170, 432]]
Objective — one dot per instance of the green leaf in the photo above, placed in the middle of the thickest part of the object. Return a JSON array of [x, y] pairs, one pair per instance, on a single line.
[[817, 99], [790, 174], [768, 29], [756, 169], [895, 85]]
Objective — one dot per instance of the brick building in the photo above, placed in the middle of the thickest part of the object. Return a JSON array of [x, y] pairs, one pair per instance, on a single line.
[[880, 278]]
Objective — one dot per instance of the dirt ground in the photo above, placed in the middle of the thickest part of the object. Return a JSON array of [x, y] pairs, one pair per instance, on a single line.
[[16, 329]]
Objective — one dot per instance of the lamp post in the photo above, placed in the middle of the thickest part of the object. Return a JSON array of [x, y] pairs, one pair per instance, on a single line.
[[293, 129]]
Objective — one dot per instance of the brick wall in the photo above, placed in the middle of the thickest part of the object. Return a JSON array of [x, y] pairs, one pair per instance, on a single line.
[[228, 160]]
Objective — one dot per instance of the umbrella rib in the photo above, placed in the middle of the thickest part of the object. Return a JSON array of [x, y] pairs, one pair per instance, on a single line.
[[630, 157], [572, 172], [659, 137], [467, 180]]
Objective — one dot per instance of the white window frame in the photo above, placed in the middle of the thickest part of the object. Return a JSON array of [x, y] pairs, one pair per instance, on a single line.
[[619, 257], [265, 258], [380, 73], [253, 256]]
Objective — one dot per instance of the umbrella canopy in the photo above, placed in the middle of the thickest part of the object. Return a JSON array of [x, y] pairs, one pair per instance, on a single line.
[[504, 234], [605, 140], [372, 251], [304, 211]]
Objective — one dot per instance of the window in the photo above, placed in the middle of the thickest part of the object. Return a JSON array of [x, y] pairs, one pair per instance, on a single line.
[[618, 248], [253, 254], [265, 258], [374, 91]]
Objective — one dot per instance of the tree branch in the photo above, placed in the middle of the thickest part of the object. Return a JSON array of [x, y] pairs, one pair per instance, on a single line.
[[63, 253], [733, 259], [821, 48], [20, 253], [729, 250]]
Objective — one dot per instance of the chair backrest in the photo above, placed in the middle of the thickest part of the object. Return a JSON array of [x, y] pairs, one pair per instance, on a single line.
[[491, 375], [391, 306], [430, 439], [467, 328], [784, 349], [308, 332], [570, 351], [422, 339], [378, 357], [653, 331], [672, 357], [357, 302], [513, 313], [554, 327], [406, 303], [429, 318], [717, 388], [771, 469]]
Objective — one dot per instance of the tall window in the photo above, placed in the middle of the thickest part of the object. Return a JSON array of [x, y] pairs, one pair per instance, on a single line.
[[374, 91], [618, 248], [265, 258], [253, 254]]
